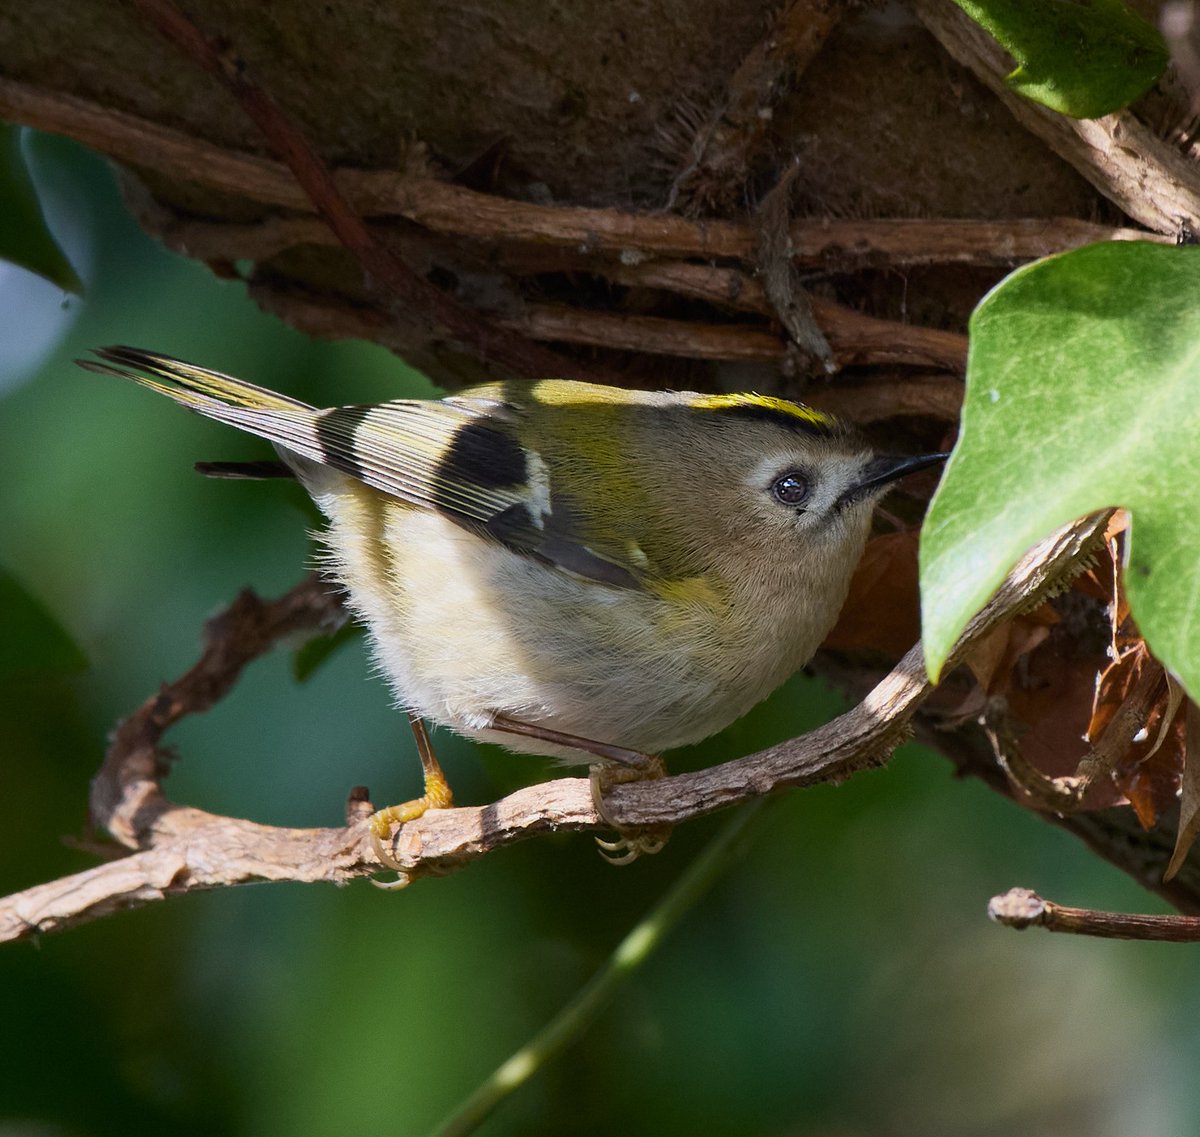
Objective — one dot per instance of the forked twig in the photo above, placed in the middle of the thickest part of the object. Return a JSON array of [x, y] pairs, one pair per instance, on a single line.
[[181, 849], [416, 295]]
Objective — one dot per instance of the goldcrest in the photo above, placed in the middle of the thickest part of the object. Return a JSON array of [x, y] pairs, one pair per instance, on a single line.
[[632, 570]]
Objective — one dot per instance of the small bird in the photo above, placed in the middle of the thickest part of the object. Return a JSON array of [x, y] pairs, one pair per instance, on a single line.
[[565, 568]]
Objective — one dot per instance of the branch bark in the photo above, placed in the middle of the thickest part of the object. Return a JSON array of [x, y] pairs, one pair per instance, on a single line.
[[725, 146], [181, 849], [418, 299], [1148, 177], [1021, 908], [459, 212], [525, 239], [856, 338]]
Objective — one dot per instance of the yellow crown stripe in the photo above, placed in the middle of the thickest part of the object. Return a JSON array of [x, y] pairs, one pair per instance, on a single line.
[[765, 403]]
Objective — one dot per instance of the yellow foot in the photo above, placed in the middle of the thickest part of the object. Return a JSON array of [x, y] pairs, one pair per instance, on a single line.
[[437, 796], [630, 843]]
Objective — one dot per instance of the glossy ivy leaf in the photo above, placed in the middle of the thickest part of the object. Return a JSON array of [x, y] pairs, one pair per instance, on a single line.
[[1083, 59], [1083, 391], [24, 238], [32, 641]]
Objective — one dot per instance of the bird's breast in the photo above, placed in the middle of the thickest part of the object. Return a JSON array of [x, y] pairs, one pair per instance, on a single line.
[[464, 628]]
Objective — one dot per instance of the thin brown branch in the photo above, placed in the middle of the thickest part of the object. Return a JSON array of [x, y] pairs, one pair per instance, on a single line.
[[725, 146], [1035, 789], [1149, 178], [182, 849], [125, 793], [723, 287], [844, 246], [1020, 908], [190, 850], [326, 318], [900, 396], [558, 323], [780, 277], [855, 338], [417, 297], [458, 212], [652, 334]]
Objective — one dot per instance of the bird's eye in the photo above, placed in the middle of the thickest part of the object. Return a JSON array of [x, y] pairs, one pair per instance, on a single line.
[[790, 488]]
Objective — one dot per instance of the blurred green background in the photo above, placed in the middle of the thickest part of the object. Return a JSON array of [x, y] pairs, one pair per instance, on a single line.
[[840, 979]]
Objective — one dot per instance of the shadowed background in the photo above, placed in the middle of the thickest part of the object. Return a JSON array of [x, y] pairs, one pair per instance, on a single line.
[[840, 979]]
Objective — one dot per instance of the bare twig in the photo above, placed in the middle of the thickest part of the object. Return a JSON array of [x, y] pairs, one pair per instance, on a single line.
[[417, 297], [724, 287], [1034, 788], [780, 277], [1068, 794], [1151, 180], [455, 211], [725, 146], [652, 334], [1020, 908], [126, 797], [183, 849], [855, 338], [934, 396]]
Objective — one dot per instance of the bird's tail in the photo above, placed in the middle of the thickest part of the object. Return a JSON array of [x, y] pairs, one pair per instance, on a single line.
[[286, 422], [405, 448], [196, 388]]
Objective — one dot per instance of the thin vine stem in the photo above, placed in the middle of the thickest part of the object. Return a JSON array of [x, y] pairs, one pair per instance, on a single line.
[[634, 949]]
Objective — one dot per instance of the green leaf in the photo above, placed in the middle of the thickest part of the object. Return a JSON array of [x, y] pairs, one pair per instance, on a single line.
[[31, 640], [1083, 391], [24, 238], [316, 651], [1085, 58]]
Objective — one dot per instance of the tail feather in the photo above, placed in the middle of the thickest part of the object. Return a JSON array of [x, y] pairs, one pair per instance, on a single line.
[[288, 423], [184, 381], [413, 450]]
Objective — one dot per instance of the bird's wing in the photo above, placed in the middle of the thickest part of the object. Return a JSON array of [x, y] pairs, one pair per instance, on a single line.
[[460, 456]]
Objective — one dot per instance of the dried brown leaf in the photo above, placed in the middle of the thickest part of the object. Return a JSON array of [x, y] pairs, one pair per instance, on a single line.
[[1113, 685], [883, 609], [993, 660], [1189, 803], [1149, 772]]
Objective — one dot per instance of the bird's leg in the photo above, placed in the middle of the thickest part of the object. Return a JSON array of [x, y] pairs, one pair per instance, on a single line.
[[633, 760], [618, 765], [437, 795]]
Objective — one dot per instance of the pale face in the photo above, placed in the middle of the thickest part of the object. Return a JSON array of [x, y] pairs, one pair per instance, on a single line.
[[787, 510], [807, 489]]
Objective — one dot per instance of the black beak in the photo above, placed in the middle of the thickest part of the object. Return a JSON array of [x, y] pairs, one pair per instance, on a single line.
[[884, 470]]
